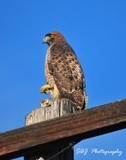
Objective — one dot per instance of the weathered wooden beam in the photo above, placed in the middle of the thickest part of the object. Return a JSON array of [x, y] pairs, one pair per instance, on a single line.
[[74, 127]]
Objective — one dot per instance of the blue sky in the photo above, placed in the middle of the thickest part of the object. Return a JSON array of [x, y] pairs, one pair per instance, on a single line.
[[97, 32]]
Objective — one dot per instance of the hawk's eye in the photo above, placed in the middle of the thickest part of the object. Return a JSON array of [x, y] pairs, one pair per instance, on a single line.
[[48, 35]]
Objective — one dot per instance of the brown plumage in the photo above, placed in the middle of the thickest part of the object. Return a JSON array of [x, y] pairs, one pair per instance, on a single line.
[[63, 71]]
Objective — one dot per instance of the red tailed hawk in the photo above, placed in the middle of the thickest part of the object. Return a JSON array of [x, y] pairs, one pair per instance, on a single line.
[[64, 75]]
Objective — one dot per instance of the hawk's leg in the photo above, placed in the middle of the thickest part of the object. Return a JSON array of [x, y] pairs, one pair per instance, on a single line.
[[46, 89]]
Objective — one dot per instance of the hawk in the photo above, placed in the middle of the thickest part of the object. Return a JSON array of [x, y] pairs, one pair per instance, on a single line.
[[63, 72]]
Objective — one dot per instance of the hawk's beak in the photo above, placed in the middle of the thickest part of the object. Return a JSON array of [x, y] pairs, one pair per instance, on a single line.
[[45, 39]]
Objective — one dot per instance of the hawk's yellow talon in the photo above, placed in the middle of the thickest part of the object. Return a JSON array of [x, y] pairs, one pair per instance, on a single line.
[[46, 89]]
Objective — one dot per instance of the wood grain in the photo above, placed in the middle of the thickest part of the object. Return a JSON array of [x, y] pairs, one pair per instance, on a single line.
[[74, 127]]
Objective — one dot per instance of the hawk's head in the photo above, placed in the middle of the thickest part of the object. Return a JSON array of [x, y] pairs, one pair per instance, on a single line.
[[53, 37]]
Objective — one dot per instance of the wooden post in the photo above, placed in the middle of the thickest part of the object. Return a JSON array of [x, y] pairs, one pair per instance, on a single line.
[[50, 109]]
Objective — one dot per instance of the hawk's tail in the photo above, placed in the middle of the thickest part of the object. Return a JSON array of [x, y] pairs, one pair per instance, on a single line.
[[80, 99]]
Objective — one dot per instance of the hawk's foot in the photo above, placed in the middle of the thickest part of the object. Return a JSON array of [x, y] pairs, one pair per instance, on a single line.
[[46, 89]]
